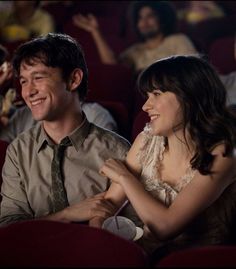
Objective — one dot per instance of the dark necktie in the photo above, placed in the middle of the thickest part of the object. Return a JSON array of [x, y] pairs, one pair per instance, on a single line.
[[60, 200]]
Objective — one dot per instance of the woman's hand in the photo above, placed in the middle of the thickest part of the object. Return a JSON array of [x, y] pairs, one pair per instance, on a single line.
[[115, 170]]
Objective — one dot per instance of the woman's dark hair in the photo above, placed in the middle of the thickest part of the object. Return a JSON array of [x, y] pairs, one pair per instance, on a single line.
[[164, 11], [55, 50], [202, 97]]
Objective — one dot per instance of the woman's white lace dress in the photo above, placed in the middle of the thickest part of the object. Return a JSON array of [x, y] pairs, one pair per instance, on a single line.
[[211, 227]]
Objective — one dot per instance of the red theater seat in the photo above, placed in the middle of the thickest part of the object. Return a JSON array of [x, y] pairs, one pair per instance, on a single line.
[[201, 257], [120, 115], [206, 32], [111, 83], [221, 54], [139, 123], [110, 27], [40, 243]]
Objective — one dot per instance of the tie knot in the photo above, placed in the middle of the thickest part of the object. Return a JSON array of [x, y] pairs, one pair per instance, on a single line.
[[65, 142], [59, 149]]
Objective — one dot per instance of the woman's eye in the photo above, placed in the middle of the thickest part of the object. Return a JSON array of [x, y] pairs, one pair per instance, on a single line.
[[156, 93]]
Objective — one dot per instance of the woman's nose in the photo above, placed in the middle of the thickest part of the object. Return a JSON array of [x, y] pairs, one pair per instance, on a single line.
[[147, 105]]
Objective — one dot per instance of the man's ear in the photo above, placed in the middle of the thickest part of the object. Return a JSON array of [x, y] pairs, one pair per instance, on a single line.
[[75, 79]]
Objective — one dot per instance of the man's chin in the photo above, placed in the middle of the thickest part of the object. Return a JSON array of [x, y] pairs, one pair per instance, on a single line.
[[149, 35], [37, 117]]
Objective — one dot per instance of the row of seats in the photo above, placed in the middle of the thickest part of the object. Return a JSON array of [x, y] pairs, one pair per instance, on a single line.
[[205, 33], [54, 244], [41, 243]]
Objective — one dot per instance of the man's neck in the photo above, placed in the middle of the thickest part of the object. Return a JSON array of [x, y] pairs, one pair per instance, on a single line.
[[154, 42], [61, 128]]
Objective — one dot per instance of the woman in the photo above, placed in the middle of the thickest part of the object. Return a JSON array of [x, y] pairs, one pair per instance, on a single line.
[[180, 172]]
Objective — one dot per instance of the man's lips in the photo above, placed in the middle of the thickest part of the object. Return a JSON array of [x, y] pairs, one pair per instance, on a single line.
[[37, 101]]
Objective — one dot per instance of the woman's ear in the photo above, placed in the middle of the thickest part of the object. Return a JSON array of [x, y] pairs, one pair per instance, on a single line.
[[75, 79]]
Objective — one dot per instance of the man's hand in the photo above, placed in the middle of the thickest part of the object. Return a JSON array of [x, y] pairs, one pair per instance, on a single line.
[[88, 23], [86, 210]]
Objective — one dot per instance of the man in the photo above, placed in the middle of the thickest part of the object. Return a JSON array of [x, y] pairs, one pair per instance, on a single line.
[[155, 23], [14, 120], [36, 182]]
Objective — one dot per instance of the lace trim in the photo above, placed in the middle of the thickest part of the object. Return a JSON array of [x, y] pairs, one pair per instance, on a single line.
[[146, 141], [154, 183]]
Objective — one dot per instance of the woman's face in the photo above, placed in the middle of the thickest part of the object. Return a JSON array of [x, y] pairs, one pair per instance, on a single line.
[[164, 111]]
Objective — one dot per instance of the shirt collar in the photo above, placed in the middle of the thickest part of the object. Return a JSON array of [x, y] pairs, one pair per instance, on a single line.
[[76, 137]]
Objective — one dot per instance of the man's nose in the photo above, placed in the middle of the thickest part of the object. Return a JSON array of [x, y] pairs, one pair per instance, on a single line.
[[29, 90]]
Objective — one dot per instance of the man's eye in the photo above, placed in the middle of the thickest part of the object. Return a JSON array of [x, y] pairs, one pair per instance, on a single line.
[[22, 82], [38, 78]]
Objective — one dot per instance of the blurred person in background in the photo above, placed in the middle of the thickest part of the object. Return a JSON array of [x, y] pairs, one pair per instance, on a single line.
[[7, 95], [155, 23], [24, 20], [198, 11]]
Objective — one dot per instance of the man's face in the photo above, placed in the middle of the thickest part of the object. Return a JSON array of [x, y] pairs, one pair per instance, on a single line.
[[44, 91], [148, 24]]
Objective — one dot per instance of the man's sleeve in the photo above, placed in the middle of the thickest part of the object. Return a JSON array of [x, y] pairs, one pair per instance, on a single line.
[[14, 204]]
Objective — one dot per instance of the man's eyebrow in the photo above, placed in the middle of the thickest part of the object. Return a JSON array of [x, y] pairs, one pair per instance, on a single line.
[[36, 73], [39, 72]]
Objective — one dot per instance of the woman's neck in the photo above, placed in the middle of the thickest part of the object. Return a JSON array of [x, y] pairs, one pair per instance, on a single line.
[[179, 148]]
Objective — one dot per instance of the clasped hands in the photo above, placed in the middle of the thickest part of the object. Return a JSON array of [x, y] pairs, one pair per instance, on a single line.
[[97, 207], [115, 170]]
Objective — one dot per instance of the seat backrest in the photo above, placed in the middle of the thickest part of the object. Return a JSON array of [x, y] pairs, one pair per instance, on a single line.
[[138, 124], [41, 243], [205, 257], [111, 83], [85, 39], [110, 32], [221, 54], [206, 32], [120, 115]]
